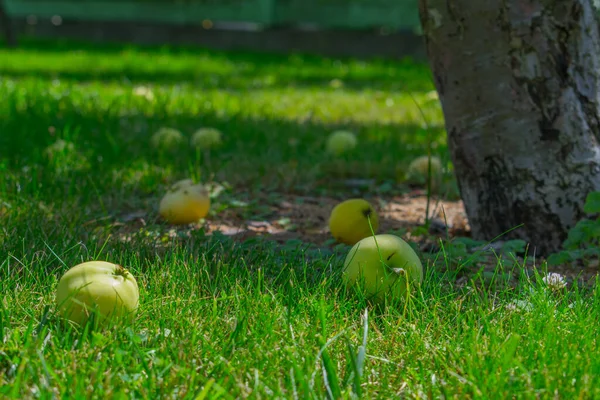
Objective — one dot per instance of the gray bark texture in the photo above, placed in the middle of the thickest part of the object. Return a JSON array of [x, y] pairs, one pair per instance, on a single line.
[[519, 85]]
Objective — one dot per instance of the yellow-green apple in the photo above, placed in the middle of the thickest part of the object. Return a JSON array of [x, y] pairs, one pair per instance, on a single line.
[[103, 289], [382, 267], [185, 202], [206, 138], [340, 142], [418, 171], [349, 221], [166, 139]]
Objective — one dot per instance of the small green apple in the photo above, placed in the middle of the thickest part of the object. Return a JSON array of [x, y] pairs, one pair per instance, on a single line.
[[418, 171], [185, 203], [166, 139], [340, 142], [97, 287], [60, 146], [349, 221], [384, 267], [206, 138], [64, 157]]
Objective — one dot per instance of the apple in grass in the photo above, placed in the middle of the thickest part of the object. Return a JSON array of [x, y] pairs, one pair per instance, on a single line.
[[418, 171], [383, 267], [107, 291], [206, 138], [184, 203], [58, 147], [349, 221], [166, 139], [340, 142]]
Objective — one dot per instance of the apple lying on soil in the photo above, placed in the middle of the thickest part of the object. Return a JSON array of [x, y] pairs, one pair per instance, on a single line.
[[383, 267], [106, 290], [349, 221], [185, 203], [418, 171]]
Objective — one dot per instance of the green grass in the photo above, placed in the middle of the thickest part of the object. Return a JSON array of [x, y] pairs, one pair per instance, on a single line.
[[220, 318]]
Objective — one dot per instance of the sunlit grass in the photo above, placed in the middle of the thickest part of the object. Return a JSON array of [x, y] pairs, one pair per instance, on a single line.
[[219, 318]]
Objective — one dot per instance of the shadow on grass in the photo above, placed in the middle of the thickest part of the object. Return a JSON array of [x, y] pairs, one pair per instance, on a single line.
[[80, 195], [112, 170], [256, 153], [206, 68]]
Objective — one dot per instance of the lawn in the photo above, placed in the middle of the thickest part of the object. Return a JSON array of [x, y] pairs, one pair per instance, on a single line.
[[249, 303]]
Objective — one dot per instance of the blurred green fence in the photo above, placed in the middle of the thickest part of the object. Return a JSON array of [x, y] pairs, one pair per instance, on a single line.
[[347, 14]]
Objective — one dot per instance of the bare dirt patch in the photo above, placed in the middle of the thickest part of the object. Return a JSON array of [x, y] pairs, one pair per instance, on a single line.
[[305, 219]]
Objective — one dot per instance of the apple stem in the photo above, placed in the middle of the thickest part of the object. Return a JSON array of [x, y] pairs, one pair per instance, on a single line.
[[121, 271]]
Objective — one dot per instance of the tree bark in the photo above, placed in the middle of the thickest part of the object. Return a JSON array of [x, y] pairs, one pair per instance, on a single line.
[[519, 86]]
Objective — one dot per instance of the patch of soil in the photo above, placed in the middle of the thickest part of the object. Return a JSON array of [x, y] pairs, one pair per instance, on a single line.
[[306, 219]]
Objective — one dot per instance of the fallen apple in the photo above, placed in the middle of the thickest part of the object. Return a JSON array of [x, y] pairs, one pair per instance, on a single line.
[[58, 147], [166, 139], [384, 267], [185, 203], [206, 138], [418, 171], [340, 142], [107, 291], [349, 221]]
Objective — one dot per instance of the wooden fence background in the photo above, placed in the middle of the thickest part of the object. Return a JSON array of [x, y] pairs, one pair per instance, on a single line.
[[328, 14]]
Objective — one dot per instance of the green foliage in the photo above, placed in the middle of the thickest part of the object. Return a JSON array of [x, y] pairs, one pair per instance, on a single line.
[[592, 203], [465, 253], [583, 240]]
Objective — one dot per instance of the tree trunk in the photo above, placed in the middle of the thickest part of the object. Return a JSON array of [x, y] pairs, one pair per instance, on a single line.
[[519, 85]]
